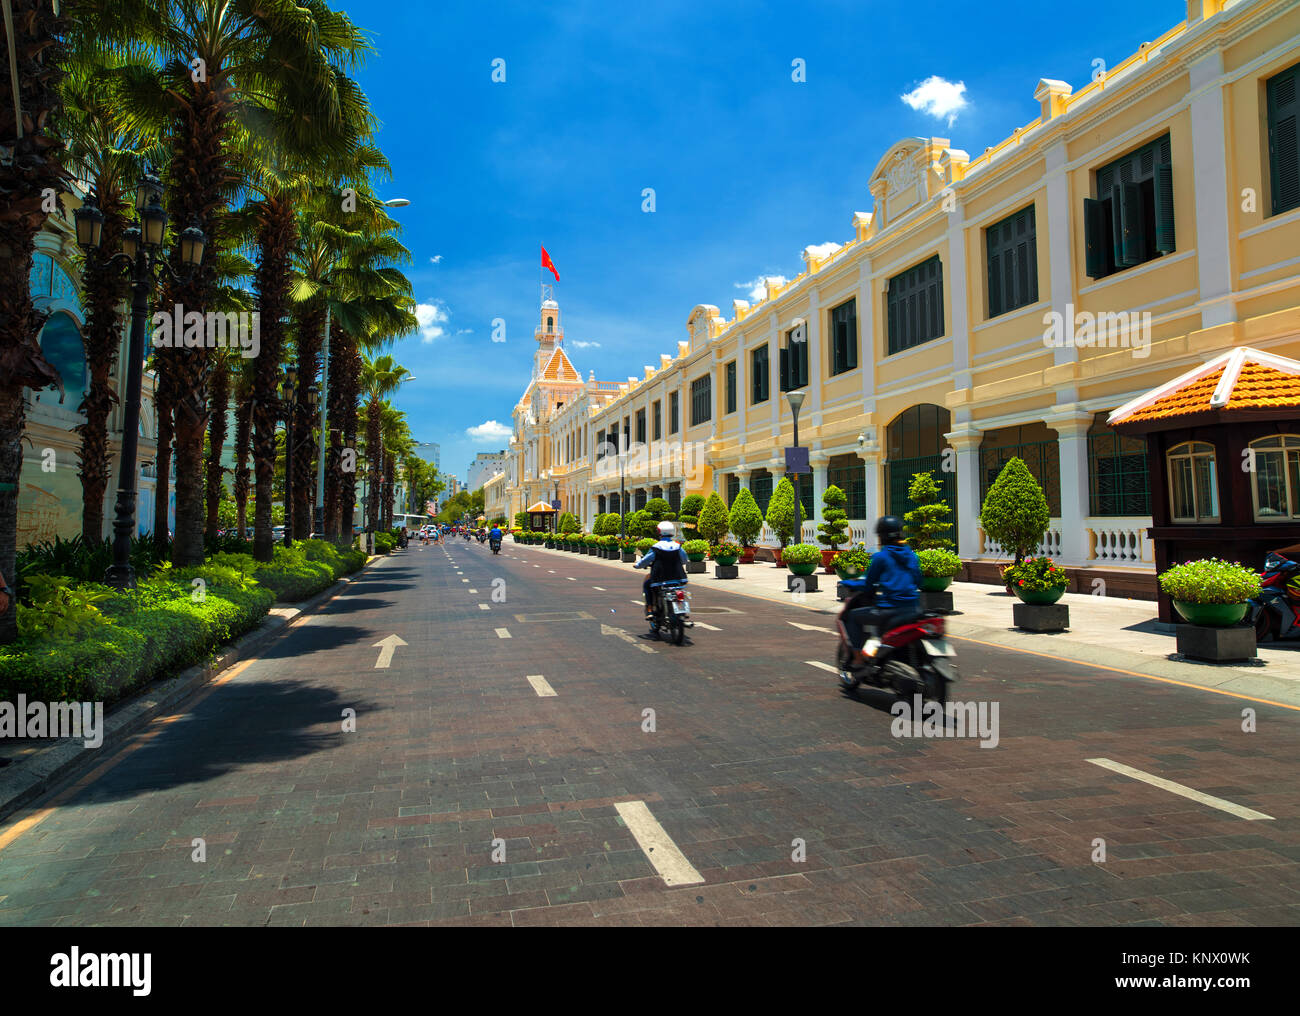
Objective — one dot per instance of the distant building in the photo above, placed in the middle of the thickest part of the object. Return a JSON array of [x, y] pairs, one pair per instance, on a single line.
[[485, 466]]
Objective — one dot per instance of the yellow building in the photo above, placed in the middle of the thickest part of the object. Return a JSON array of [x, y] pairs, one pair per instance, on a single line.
[[987, 308]]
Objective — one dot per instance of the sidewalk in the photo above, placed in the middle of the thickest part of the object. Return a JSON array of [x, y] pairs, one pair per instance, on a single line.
[[1121, 634]]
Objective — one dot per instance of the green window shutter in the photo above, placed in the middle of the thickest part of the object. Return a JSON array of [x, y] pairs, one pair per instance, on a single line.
[[994, 257], [1133, 238], [785, 369], [1094, 237], [1283, 147], [1164, 194]]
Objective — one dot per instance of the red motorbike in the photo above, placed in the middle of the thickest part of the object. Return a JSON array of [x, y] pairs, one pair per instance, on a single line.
[[913, 658], [1275, 613]]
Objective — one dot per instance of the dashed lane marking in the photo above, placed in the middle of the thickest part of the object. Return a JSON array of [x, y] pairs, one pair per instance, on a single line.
[[484, 606], [1249, 814], [706, 627], [657, 845], [541, 686], [473, 590], [503, 633], [599, 588], [821, 666]]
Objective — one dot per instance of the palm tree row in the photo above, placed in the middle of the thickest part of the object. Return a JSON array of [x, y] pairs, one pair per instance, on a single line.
[[265, 142]]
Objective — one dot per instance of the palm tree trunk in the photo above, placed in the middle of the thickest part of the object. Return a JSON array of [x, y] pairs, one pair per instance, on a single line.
[[375, 455], [104, 289], [30, 168], [243, 425], [390, 467], [276, 236], [216, 444], [162, 486], [311, 327]]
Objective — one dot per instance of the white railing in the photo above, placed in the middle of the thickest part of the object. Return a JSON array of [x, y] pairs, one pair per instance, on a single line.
[[1050, 546], [1121, 541]]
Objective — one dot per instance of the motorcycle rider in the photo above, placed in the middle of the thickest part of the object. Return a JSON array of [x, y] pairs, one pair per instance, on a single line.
[[890, 587], [494, 537], [667, 562]]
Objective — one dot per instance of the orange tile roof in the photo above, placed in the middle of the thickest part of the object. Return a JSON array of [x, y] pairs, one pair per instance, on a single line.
[[1257, 381], [558, 368]]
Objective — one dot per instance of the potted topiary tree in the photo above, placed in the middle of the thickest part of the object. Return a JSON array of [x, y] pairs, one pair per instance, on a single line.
[[1038, 583], [834, 528], [745, 521], [1015, 513], [689, 518], [938, 567], [852, 562], [627, 549], [929, 519], [659, 510], [724, 555], [695, 550], [1211, 595], [714, 522], [802, 560], [781, 515]]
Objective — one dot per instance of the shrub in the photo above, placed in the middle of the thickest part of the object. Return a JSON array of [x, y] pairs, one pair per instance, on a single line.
[[745, 519], [80, 561], [569, 523], [658, 508], [1035, 575], [714, 521], [696, 546], [689, 513], [801, 553], [55, 607], [781, 511], [833, 531], [644, 544], [1210, 581], [855, 558], [930, 516], [640, 524], [724, 549], [384, 543], [591, 540], [937, 563], [626, 544], [521, 520], [1015, 513]]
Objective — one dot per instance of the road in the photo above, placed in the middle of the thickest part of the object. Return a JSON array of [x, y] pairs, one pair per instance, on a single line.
[[521, 755]]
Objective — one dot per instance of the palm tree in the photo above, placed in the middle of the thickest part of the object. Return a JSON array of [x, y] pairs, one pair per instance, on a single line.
[[380, 378], [395, 440], [31, 175], [243, 389]]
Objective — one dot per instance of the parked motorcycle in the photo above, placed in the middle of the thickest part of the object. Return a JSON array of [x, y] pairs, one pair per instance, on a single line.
[[671, 612], [914, 658], [1275, 613]]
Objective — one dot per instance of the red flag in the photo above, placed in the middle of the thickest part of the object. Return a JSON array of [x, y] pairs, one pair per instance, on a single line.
[[548, 263]]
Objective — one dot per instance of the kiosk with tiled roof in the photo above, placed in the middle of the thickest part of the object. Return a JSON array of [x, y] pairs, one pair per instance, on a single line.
[[1223, 451]]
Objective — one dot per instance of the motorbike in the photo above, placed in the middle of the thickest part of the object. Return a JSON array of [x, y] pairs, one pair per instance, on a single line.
[[402, 541], [913, 658], [495, 545], [1275, 612], [671, 612]]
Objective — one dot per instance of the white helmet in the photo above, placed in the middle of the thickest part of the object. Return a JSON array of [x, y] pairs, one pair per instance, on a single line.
[[667, 530]]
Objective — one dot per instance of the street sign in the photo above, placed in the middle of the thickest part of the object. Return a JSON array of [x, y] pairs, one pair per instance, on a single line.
[[796, 460], [556, 504]]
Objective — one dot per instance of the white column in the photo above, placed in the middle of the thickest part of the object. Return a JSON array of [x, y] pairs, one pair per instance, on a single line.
[[1060, 259], [866, 335], [966, 443], [818, 464], [869, 453], [959, 321], [1209, 169], [1071, 426]]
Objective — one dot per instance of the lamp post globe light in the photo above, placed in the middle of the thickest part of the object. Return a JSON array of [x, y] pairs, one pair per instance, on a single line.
[[142, 255]]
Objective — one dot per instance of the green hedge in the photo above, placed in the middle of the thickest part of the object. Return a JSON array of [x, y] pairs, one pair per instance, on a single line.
[[167, 624]]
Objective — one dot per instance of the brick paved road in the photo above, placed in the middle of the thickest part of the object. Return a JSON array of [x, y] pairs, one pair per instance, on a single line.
[[753, 748]]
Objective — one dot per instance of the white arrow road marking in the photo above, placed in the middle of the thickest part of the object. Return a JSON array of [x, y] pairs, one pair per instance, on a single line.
[[484, 606], [503, 633], [541, 686], [550, 571], [809, 627], [628, 637], [706, 627], [657, 845], [821, 666], [1177, 788], [386, 648], [570, 578], [464, 580], [598, 588], [473, 590]]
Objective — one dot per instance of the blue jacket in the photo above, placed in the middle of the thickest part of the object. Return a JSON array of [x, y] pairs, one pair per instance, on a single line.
[[895, 575], [495, 534]]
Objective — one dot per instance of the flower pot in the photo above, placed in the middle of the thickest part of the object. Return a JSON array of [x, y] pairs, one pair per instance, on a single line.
[[1039, 597], [780, 553], [629, 557], [803, 568], [695, 557], [938, 583], [747, 556], [727, 561], [1211, 615], [827, 557], [846, 573]]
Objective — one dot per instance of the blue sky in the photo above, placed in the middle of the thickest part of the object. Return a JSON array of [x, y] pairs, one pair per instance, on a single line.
[[694, 100]]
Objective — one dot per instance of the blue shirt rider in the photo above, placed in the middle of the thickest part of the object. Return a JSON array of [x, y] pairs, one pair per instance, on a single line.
[[890, 587], [667, 561], [495, 534]]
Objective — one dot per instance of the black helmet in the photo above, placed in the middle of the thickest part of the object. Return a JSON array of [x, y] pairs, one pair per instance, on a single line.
[[889, 528]]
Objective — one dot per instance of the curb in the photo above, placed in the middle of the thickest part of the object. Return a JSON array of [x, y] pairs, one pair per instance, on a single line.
[[29, 778]]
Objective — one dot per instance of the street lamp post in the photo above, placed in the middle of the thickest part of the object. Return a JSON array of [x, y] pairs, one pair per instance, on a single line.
[[622, 488], [141, 253], [796, 400]]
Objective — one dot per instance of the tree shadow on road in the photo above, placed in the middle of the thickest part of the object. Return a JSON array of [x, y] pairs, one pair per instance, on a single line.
[[352, 604]]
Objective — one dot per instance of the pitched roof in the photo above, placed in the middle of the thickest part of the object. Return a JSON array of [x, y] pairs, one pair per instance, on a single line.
[[1243, 379], [558, 368], [541, 506]]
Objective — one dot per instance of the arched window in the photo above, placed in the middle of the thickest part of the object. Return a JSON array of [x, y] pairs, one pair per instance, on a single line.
[[550, 324], [1193, 483], [915, 443], [733, 488], [848, 472], [1036, 446], [1276, 472], [61, 345]]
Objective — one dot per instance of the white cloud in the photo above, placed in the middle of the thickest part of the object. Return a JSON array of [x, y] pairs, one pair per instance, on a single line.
[[585, 345], [757, 288], [489, 432], [821, 250], [464, 331], [938, 98], [435, 259], [432, 316]]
